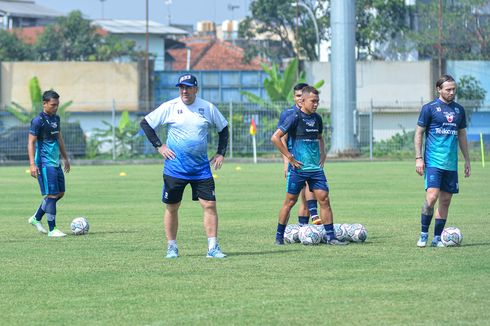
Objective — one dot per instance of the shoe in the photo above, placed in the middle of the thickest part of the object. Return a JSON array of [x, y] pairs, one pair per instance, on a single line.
[[39, 226], [337, 242], [316, 220], [422, 240], [56, 233], [279, 242], [172, 252], [436, 242], [215, 252]]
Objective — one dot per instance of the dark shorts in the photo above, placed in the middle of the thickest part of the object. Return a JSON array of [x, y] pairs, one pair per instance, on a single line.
[[297, 180], [173, 189], [51, 180], [441, 179]]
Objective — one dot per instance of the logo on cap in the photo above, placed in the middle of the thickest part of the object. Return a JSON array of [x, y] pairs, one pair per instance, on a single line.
[[187, 80]]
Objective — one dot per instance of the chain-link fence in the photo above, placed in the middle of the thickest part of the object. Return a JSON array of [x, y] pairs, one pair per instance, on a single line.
[[381, 131]]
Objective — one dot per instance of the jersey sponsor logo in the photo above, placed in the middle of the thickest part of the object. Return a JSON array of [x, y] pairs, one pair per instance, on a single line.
[[443, 131], [311, 130], [55, 132]]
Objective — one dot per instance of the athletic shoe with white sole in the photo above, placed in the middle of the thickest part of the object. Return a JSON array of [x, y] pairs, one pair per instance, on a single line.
[[423, 239], [172, 252], [436, 242], [215, 252], [37, 224], [56, 233]]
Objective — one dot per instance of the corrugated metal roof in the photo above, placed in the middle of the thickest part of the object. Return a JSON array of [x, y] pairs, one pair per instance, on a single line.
[[119, 26], [27, 9]]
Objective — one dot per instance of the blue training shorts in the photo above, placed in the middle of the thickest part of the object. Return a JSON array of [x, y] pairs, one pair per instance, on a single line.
[[51, 180], [441, 179], [296, 181]]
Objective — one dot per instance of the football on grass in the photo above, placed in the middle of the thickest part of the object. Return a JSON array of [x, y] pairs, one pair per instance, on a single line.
[[79, 226]]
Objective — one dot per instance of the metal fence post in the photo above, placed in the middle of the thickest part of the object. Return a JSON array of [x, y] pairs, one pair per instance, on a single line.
[[230, 123], [113, 129], [371, 125]]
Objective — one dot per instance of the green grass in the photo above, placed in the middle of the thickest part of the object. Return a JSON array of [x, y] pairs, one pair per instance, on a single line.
[[116, 275]]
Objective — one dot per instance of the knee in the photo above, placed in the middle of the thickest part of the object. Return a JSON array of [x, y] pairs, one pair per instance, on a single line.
[[290, 202]]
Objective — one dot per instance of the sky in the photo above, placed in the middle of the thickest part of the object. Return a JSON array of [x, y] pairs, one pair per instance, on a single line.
[[180, 11]]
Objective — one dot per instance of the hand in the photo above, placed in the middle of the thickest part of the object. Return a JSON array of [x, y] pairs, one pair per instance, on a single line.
[[419, 166], [294, 163], [323, 157], [217, 161], [66, 165], [166, 152], [467, 169], [34, 170]]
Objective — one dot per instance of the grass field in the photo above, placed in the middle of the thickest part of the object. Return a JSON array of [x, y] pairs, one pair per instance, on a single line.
[[116, 275]]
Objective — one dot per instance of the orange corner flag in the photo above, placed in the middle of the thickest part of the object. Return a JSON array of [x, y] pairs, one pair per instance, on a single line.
[[253, 127]]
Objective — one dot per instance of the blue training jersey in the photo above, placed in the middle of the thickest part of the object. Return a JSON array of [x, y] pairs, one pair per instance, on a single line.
[[187, 137], [282, 117], [304, 132], [442, 122], [47, 129]]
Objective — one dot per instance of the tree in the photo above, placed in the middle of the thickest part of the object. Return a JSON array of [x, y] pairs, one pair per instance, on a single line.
[[470, 92], [13, 49], [73, 38], [25, 115], [465, 30]]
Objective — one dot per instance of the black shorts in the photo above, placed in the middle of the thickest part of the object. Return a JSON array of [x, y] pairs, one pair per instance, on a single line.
[[173, 189]]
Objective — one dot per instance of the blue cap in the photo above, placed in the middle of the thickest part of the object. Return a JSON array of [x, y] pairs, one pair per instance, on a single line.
[[187, 80]]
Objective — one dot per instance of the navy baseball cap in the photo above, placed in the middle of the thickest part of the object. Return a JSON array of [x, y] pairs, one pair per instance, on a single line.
[[187, 80]]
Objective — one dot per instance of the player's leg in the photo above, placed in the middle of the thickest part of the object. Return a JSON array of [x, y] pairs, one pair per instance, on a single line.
[[35, 220], [311, 203], [204, 191], [55, 189], [172, 191], [303, 214], [295, 182], [449, 186], [432, 179]]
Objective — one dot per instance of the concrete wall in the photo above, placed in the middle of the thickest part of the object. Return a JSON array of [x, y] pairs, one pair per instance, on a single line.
[[388, 84], [90, 85]]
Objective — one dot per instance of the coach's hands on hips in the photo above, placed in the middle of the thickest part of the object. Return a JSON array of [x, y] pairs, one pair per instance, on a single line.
[[166, 152], [217, 161]]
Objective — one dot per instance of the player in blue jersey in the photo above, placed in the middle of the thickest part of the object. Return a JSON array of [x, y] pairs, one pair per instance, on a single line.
[[308, 203], [45, 145], [443, 122], [306, 159], [189, 119]]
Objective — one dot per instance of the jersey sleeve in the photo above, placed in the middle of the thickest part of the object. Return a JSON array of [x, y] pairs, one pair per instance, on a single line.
[[320, 125], [289, 123], [463, 118], [282, 117], [424, 117], [159, 116], [218, 119], [35, 127]]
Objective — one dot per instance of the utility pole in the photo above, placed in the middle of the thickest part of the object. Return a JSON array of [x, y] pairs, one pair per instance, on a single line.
[[147, 64], [439, 21]]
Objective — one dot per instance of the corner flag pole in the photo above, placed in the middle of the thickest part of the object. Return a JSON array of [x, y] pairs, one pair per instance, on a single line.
[[253, 131], [482, 150]]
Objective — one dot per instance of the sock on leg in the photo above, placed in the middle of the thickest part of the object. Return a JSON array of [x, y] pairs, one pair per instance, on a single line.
[[439, 226], [425, 222], [280, 231], [312, 207], [50, 210], [303, 219], [41, 210], [330, 231], [212, 242]]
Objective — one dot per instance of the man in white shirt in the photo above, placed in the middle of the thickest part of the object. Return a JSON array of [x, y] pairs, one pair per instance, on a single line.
[[188, 118]]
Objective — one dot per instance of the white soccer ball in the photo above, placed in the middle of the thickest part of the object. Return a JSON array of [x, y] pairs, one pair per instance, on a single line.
[[357, 232], [340, 231], [451, 236], [309, 235], [291, 235], [79, 226], [323, 233]]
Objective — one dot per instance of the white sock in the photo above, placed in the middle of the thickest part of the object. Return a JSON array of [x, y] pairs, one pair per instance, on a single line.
[[172, 243], [212, 242]]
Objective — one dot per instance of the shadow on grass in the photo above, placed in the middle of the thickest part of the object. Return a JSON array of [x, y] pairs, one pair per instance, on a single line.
[[250, 253]]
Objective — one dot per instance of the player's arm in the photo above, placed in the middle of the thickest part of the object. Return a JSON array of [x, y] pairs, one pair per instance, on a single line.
[[323, 154], [284, 140], [31, 147], [152, 136], [276, 140], [419, 158], [217, 160], [463, 145], [64, 155]]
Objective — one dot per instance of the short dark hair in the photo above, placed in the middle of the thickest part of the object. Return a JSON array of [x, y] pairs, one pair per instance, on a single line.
[[443, 79], [300, 86], [48, 95], [310, 90]]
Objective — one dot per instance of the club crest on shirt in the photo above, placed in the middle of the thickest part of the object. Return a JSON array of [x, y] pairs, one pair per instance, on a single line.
[[201, 112], [53, 125], [309, 123], [438, 109], [449, 116], [456, 110]]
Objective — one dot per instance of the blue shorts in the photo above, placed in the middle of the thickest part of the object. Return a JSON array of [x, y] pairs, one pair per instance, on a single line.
[[441, 179], [51, 180], [296, 181]]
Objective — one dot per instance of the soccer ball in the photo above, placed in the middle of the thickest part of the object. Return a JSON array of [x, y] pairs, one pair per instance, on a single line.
[[291, 235], [323, 233], [451, 236], [340, 231], [357, 232], [309, 235], [79, 226]]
